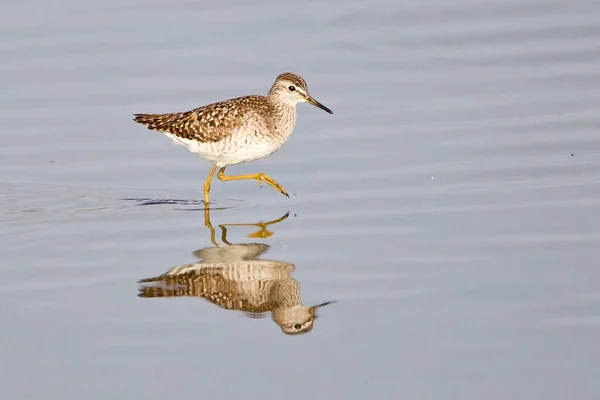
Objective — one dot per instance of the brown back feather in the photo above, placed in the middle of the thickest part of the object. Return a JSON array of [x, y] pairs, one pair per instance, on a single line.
[[209, 123]]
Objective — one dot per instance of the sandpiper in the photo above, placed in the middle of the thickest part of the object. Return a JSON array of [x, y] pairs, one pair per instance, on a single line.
[[237, 130]]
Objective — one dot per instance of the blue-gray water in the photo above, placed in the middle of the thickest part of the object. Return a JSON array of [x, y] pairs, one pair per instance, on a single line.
[[450, 205]]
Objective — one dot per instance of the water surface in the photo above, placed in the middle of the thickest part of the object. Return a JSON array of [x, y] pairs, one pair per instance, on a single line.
[[450, 205]]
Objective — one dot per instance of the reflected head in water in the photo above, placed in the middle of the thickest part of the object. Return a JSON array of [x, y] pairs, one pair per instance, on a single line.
[[297, 320], [233, 277]]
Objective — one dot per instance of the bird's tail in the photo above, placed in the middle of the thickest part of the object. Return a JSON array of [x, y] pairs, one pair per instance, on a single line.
[[154, 291], [157, 122], [156, 287]]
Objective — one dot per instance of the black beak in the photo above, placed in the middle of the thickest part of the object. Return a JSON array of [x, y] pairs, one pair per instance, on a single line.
[[317, 104], [324, 304]]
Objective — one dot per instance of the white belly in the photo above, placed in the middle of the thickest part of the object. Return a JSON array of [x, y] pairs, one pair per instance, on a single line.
[[230, 151]]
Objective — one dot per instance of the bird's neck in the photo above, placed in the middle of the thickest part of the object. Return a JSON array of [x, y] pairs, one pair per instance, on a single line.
[[285, 115], [287, 293]]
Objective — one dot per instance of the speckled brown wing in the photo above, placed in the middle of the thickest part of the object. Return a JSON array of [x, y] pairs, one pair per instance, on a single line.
[[212, 287], [205, 124]]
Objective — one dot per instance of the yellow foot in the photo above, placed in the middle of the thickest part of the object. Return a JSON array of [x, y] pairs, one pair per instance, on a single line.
[[262, 177]]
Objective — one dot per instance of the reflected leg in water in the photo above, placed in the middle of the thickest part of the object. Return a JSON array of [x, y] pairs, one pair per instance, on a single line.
[[260, 177], [208, 224], [262, 233]]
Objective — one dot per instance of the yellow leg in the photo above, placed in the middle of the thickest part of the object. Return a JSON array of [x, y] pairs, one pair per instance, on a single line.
[[207, 184], [260, 177]]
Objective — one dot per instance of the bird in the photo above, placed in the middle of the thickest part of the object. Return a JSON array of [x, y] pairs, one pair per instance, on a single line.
[[234, 278], [237, 130]]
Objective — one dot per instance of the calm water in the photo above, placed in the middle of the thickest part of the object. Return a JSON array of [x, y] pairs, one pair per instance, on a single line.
[[450, 206]]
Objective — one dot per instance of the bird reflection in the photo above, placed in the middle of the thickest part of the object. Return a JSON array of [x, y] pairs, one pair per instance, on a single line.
[[233, 277]]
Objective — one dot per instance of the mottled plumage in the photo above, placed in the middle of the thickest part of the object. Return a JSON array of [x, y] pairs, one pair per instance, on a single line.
[[211, 123], [234, 278], [293, 78], [237, 130]]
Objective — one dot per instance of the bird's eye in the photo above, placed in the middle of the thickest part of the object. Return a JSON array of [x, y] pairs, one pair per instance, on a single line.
[[297, 326], [291, 88]]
